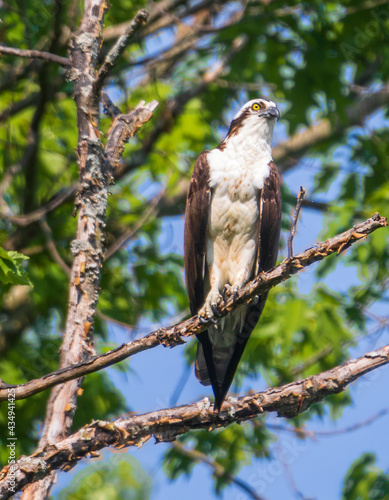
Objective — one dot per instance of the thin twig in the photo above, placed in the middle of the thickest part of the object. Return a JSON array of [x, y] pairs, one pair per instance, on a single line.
[[296, 214], [51, 246], [109, 319], [35, 54], [289, 475], [117, 50], [173, 336], [218, 469], [313, 433], [128, 235]]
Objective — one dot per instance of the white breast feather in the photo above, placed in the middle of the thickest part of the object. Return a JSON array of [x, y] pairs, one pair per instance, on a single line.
[[236, 174]]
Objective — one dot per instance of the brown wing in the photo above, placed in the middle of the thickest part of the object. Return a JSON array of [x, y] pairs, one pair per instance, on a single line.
[[270, 221], [196, 222], [269, 201]]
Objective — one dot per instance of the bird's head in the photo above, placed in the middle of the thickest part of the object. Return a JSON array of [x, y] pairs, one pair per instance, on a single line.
[[256, 118]]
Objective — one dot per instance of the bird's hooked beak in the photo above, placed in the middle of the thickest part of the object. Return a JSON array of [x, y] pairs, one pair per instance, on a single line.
[[272, 112]]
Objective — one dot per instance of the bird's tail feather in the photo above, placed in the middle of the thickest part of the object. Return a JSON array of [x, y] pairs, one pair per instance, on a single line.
[[220, 350]]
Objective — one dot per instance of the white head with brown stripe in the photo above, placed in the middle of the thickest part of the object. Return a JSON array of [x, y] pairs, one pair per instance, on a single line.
[[254, 122]]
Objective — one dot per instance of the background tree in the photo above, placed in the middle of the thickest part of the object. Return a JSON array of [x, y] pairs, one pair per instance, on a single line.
[[326, 65]]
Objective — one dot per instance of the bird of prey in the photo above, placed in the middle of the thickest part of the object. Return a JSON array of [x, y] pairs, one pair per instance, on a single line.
[[232, 231]]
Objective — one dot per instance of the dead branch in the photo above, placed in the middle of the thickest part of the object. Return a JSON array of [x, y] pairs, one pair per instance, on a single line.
[[300, 198], [166, 425], [124, 127], [117, 50], [35, 54], [174, 335]]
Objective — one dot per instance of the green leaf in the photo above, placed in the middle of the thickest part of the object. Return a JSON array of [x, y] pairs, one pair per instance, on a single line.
[[11, 268], [365, 480]]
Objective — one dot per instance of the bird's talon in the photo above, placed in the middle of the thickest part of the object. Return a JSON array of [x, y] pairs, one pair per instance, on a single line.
[[255, 300], [202, 320], [215, 310]]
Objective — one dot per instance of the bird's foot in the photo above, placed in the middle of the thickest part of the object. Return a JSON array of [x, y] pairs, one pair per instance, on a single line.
[[254, 301], [230, 290], [209, 311]]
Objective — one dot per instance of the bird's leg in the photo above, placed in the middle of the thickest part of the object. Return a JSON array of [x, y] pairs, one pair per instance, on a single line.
[[210, 307]]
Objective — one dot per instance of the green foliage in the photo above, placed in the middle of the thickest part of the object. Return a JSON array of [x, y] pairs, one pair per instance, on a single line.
[[228, 448], [117, 478], [11, 268], [365, 480]]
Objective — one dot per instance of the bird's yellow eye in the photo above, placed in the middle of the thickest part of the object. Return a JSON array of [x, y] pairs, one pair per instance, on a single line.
[[256, 106]]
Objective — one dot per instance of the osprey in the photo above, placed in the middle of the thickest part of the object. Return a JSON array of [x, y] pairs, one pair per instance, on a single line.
[[232, 231]]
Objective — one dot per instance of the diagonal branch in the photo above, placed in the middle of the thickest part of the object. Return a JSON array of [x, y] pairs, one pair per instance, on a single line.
[[172, 336], [117, 50], [166, 425], [35, 54]]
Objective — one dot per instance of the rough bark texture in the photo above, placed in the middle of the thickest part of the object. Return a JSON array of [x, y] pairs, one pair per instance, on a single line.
[[165, 425], [87, 248], [170, 337]]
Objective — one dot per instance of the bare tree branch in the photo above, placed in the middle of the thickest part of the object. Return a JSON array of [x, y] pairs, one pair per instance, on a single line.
[[35, 54], [118, 49], [300, 198], [172, 336], [124, 127], [130, 233], [166, 425], [51, 246], [41, 212]]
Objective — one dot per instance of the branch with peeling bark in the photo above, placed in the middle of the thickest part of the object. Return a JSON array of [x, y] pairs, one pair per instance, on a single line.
[[166, 425], [170, 337], [96, 165]]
